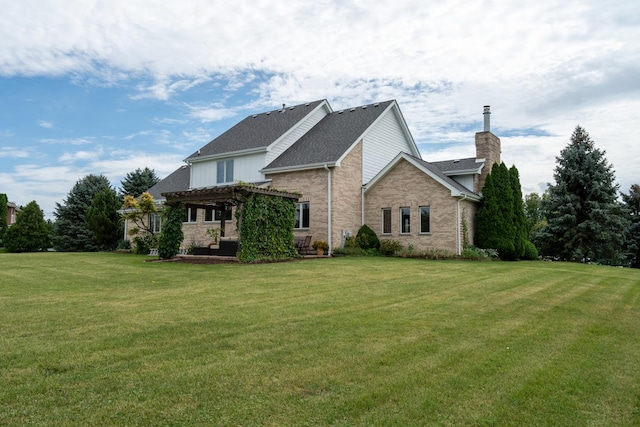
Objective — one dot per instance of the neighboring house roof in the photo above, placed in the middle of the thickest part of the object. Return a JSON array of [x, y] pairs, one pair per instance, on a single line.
[[177, 181], [257, 131], [469, 165], [457, 189], [329, 140]]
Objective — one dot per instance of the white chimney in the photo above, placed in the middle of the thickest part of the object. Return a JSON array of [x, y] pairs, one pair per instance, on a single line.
[[487, 114]]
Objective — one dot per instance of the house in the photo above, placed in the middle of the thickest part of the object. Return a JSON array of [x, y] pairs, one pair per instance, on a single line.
[[12, 211], [352, 167]]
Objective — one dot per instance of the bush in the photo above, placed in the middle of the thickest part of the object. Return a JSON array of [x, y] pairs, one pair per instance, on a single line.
[[142, 244], [389, 247], [530, 252], [367, 238]]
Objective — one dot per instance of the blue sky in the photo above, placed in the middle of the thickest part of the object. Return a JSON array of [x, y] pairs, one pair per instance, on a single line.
[[107, 87]]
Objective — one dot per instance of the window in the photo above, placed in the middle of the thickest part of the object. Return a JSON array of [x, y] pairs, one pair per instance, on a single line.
[[386, 220], [405, 220], [212, 214], [224, 171], [155, 223], [425, 219], [190, 215], [302, 215]]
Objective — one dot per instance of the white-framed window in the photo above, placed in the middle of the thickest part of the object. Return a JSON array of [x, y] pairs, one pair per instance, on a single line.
[[224, 171], [302, 215], [155, 223], [425, 219], [386, 220], [212, 214], [405, 220], [190, 215]]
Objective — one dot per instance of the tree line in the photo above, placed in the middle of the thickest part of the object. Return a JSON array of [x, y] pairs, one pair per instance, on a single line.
[[87, 220], [582, 216]]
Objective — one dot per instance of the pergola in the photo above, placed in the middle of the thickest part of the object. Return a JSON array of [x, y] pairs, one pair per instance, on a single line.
[[222, 197]]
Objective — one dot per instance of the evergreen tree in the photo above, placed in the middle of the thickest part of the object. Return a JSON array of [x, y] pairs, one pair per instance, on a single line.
[[137, 182], [632, 204], [495, 227], [71, 232], [103, 219], [4, 210], [30, 233], [532, 213], [584, 219], [521, 235], [172, 235]]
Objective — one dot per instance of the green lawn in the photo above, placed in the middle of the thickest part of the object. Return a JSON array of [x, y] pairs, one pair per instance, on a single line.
[[107, 339]]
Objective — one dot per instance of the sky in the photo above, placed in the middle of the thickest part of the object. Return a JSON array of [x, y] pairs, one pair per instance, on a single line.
[[106, 87]]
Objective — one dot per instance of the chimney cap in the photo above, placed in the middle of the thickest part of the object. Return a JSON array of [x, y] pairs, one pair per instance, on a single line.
[[487, 123]]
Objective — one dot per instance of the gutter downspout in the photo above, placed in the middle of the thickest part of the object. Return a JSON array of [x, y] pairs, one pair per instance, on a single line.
[[464, 196], [328, 208]]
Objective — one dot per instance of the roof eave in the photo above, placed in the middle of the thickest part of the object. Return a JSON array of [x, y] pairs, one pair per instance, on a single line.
[[298, 167], [229, 154]]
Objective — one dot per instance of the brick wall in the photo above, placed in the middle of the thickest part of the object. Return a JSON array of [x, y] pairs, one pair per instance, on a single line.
[[407, 186], [346, 200]]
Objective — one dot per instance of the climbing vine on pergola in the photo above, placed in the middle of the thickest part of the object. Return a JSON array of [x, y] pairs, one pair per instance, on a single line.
[[264, 217]]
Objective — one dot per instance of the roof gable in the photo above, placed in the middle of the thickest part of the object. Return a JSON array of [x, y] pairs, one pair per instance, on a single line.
[[257, 131], [331, 139], [178, 180], [457, 189]]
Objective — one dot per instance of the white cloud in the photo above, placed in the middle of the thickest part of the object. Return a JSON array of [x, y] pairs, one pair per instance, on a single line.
[[68, 141], [45, 124], [541, 65], [14, 152]]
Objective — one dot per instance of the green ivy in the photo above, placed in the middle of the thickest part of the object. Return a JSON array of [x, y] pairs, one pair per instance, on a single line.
[[265, 225], [172, 235]]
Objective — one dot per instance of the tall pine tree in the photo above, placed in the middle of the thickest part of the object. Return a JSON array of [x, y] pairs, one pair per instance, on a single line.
[[501, 222], [104, 221], [584, 220], [495, 228], [521, 235], [71, 232], [137, 182]]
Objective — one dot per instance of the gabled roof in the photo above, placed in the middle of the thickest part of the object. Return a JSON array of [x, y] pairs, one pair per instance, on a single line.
[[257, 131], [178, 180], [466, 166], [457, 189], [331, 138]]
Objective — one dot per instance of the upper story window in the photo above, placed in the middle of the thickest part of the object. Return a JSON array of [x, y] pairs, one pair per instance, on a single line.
[[405, 220], [224, 171], [302, 215]]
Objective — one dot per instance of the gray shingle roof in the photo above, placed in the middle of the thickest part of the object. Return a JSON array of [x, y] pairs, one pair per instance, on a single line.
[[178, 180], [452, 166], [257, 130], [330, 138]]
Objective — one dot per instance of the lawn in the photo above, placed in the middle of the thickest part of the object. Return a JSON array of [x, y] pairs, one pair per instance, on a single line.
[[108, 339]]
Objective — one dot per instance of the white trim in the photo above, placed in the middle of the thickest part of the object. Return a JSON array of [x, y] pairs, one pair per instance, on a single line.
[[228, 154], [297, 168]]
